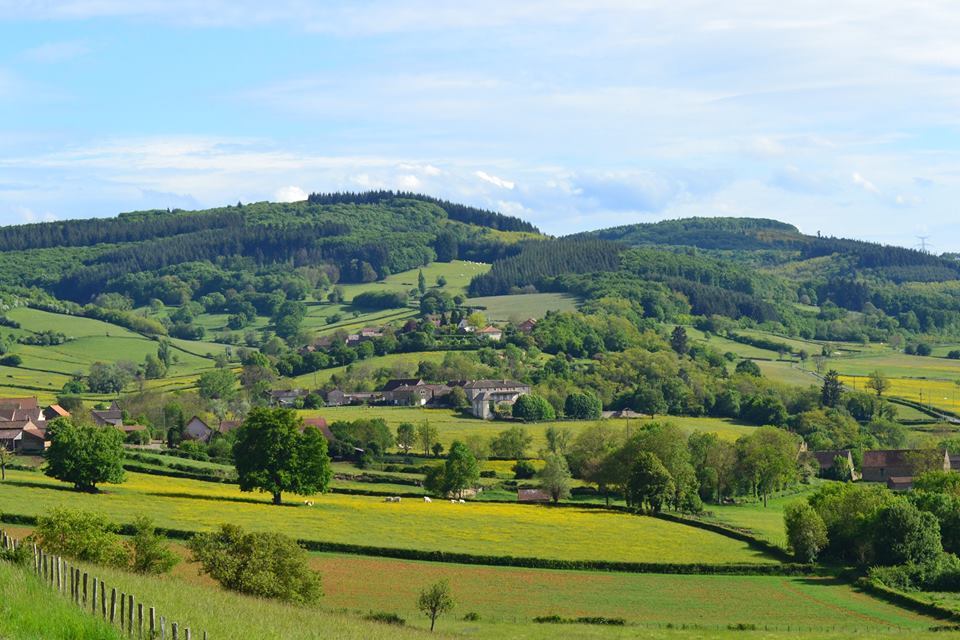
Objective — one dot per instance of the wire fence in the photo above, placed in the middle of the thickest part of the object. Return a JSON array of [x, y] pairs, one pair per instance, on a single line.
[[122, 610]]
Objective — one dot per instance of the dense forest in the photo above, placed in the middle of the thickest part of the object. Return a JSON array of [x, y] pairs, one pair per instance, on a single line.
[[146, 255]]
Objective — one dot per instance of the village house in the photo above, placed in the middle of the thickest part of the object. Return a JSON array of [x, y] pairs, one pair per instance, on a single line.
[[490, 333], [23, 436], [287, 398], [620, 413], [321, 425], [895, 483], [338, 398], [19, 409], [112, 416], [411, 395], [405, 384], [226, 426], [826, 467], [527, 325], [880, 465], [55, 411], [465, 326], [485, 395], [197, 429], [127, 429]]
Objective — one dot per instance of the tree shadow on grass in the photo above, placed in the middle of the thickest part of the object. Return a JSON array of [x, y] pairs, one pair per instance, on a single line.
[[194, 496], [42, 485]]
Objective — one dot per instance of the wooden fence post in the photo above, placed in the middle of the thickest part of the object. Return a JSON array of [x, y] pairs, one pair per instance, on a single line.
[[103, 599], [113, 605], [129, 615], [84, 589], [123, 608], [59, 574], [186, 633], [139, 620], [93, 596], [175, 630], [163, 628], [153, 623]]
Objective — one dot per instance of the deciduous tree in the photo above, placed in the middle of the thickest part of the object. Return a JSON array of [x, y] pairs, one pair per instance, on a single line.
[[84, 455]]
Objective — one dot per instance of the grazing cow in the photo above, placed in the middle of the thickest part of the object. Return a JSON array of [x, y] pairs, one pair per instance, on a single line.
[[453, 502], [462, 501], [388, 499], [308, 503], [427, 499], [396, 499]]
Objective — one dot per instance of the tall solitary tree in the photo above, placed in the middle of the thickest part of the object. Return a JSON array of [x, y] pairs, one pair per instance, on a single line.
[[406, 435], [435, 600], [832, 389], [272, 455], [878, 382], [84, 455], [461, 470], [555, 477], [421, 283], [427, 435], [678, 340]]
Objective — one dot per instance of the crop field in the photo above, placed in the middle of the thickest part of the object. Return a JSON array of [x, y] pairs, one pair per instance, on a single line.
[[893, 364], [521, 307], [476, 527], [453, 426], [944, 394], [385, 584]]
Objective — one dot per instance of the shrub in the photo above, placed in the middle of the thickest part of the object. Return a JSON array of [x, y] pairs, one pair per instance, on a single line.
[[523, 470], [806, 532], [270, 565], [954, 354], [473, 616], [148, 552], [385, 618], [12, 360], [81, 535], [533, 407]]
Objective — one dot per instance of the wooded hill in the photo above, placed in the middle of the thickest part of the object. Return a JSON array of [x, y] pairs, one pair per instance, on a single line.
[[176, 256]]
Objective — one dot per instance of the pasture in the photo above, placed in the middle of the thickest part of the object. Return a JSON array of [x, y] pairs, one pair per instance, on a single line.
[[458, 274], [520, 307], [400, 364], [45, 370], [566, 533], [763, 522], [944, 394], [453, 425]]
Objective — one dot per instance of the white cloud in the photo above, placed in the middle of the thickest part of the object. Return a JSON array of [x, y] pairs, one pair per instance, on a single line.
[[290, 194], [863, 183], [29, 215], [409, 182], [494, 180]]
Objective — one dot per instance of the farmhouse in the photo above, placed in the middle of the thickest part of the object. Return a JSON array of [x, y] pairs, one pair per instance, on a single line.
[[23, 436], [485, 395], [490, 333], [337, 398], [321, 425], [286, 398], [127, 429], [404, 385], [197, 429], [899, 484], [825, 462], [20, 409], [527, 325], [55, 411], [112, 416], [879, 466]]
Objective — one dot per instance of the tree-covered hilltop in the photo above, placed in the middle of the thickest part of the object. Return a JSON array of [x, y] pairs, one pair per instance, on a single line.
[[749, 270], [177, 256]]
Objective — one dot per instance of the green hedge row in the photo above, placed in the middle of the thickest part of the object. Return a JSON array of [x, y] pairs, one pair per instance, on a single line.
[[757, 543], [906, 600], [171, 473]]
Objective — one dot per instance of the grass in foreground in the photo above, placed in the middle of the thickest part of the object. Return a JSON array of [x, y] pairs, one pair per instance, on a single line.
[[476, 528], [29, 610]]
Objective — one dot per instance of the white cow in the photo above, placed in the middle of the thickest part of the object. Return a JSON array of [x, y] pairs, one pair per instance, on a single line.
[[427, 499]]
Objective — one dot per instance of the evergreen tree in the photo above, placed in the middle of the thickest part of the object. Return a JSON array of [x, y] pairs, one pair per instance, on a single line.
[[832, 389]]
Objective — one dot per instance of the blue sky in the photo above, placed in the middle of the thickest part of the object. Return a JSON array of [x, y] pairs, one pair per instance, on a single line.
[[841, 117]]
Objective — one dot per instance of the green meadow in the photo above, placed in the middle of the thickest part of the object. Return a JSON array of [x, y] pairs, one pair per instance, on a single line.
[[453, 425], [567, 533], [520, 307]]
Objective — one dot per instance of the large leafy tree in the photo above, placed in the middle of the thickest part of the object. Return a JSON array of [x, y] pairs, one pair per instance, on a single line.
[[768, 459], [531, 407], [273, 455], [218, 384], [806, 531], [84, 455], [555, 477], [511, 443], [461, 470], [650, 484]]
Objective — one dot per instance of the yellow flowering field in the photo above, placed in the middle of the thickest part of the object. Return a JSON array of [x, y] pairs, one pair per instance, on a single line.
[[944, 394], [475, 527]]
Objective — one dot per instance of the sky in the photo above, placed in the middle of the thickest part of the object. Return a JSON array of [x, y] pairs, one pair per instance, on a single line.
[[838, 116]]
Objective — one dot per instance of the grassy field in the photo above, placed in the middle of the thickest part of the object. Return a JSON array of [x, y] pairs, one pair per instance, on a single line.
[[45, 370], [478, 528], [787, 373], [763, 522], [458, 273], [403, 363], [452, 425], [55, 619], [521, 307]]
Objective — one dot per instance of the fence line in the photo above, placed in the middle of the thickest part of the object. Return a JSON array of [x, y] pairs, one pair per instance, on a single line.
[[71, 581]]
